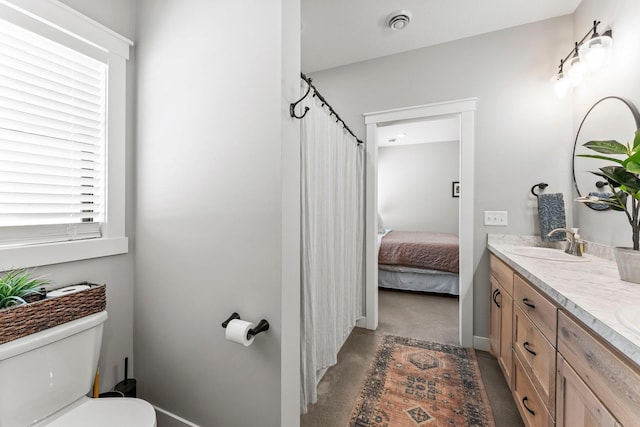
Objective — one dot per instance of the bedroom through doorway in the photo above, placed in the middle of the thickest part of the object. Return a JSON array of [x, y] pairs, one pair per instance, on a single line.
[[418, 175], [450, 121]]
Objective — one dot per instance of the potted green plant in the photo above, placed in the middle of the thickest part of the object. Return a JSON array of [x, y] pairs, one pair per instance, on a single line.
[[624, 182], [18, 285]]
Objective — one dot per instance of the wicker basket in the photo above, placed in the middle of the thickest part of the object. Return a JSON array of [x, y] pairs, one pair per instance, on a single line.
[[19, 321]]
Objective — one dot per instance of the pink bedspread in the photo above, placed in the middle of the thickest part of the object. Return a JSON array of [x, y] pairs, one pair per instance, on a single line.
[[420, 249]]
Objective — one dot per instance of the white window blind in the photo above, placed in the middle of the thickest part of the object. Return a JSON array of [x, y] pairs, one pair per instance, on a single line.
[[52, 140]]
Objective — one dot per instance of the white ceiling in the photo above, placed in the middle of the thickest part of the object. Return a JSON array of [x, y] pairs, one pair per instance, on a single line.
[[420, 132], [340, 32]]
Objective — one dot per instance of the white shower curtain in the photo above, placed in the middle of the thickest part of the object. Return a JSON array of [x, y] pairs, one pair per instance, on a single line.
[[332, 242]]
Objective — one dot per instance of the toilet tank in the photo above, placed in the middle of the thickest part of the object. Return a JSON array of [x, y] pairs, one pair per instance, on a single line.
[[46, 371]]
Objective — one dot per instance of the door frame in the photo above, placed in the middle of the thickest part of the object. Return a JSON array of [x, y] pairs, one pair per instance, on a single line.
[[465, 110]]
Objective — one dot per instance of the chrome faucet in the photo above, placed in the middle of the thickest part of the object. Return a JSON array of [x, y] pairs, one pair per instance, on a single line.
[[574, 245]]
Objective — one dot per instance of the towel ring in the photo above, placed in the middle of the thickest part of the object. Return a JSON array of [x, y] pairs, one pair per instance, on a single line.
[[541, 186]]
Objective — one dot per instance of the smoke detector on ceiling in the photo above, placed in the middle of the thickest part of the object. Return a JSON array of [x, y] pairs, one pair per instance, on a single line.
[[399, 19]]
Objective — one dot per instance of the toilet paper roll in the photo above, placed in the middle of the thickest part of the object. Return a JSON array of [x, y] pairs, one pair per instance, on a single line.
[[237, 332]]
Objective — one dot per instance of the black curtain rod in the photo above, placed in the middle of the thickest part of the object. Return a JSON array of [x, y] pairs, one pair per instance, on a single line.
[[324, 101]]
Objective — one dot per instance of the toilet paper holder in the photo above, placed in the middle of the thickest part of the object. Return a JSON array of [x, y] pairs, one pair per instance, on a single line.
[[262, 326]]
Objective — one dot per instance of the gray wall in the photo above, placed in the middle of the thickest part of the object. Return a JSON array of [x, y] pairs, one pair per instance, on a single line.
[[216, 206], [115, 271], [523, 132], [414, 186], [618, 77]]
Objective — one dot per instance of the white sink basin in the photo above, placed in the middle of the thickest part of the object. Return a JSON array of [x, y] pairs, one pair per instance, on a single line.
[[629, 316], [549, 254]]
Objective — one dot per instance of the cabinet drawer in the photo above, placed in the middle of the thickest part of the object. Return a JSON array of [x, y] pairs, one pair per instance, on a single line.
[[615, 381], [540, 310], [502, 272], [528, 401], [538, 357]]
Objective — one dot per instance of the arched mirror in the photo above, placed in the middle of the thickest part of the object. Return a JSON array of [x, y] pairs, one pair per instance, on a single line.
[[609, 118]]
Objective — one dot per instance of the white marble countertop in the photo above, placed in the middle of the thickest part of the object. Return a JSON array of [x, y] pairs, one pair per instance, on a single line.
[[592, 291]]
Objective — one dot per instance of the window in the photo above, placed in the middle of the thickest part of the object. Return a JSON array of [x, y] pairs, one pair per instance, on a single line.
[[62, 103], [52, 139]]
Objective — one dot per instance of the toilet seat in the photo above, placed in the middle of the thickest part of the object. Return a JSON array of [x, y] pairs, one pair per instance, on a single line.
[[106, 412]]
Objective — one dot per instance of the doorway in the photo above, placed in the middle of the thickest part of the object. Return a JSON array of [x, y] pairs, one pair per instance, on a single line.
[[464, 110]]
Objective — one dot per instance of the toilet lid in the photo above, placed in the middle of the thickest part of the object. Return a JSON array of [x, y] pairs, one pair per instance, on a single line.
[[108, 412]]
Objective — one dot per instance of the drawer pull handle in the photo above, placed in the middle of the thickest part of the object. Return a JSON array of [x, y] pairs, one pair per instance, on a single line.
[[526, 302], [526, 347], [524, 403], [495, 295]]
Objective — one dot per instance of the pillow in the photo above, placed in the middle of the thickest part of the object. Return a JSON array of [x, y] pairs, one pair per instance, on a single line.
[[380, 224]]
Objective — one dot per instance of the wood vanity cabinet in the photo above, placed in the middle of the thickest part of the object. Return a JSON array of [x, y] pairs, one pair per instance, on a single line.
[[559, 372], [594, 380], [501, 316]]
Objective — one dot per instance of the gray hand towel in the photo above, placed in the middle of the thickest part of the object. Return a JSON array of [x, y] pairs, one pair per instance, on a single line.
[[600, 206], [551, 215]]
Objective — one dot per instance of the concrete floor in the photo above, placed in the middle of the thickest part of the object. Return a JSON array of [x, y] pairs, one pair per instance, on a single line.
[[416, 315]]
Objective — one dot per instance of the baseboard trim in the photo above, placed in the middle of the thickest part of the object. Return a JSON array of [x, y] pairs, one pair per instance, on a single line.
[[175, 417], [481, 343], [362, 322]]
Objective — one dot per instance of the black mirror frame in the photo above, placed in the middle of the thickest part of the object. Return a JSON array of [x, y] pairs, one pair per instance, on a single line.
[[636, 118]]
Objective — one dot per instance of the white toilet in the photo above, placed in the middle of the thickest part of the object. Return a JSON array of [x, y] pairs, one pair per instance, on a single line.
[[45, 378]]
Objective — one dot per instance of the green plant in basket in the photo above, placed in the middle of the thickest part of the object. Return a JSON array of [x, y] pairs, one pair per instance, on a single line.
[[16, 285], [624, 177]]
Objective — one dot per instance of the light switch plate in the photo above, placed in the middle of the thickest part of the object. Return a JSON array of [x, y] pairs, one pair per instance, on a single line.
[[496, 218]]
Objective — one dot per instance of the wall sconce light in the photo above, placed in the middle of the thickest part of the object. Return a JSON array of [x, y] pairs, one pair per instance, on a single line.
[[561, 82], [577, 69], [587, 55], [594, 51]]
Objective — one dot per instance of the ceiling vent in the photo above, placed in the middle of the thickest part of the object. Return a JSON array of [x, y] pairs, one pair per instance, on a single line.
[[399, 19]]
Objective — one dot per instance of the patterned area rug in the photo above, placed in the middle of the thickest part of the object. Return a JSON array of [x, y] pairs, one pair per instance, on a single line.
[[419, 383]]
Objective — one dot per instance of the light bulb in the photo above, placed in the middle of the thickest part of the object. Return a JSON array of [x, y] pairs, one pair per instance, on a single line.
[[594, 51], [561, 85], [576, 71]]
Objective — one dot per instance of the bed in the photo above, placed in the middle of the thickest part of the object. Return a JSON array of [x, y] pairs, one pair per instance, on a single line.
[[418, 261]]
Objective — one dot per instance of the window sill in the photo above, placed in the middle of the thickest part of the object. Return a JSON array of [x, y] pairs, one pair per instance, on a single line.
[[56, 253]]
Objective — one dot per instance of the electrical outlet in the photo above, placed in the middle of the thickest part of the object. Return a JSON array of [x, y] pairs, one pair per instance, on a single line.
[[496, 218]]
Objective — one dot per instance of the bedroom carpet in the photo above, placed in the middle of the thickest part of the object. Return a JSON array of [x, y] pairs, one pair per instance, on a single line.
[[420, 316]]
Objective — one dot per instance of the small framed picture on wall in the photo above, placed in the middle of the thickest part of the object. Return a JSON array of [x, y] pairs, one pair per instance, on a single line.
[[455, 189]]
